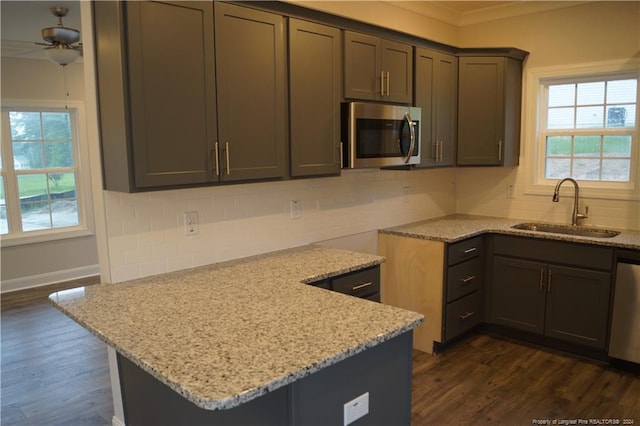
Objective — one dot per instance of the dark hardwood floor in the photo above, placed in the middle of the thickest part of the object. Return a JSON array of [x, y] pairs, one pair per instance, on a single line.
[[55, 373]]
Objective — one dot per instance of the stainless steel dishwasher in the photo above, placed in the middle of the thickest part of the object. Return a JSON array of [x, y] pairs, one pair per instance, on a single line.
[[625, 325]]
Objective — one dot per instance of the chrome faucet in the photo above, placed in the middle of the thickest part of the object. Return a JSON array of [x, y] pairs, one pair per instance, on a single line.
[[556, 197]]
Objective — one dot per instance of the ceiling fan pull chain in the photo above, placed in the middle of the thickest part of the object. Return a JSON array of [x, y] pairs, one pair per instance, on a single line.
[[66, 87]]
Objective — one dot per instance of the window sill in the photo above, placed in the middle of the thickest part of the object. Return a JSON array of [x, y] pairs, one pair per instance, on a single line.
[[585, 192], [43, 236]]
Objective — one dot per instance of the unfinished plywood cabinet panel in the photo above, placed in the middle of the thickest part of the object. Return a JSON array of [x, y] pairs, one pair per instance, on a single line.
[[411, 278]]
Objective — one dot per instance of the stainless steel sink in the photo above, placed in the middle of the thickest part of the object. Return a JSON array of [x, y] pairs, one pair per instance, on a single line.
[[582, 231]]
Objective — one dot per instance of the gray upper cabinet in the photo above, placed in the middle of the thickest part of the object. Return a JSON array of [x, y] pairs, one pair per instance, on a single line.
[[377, 69], [436, 93], [157, 110], [315, 85], [489, 98], [251, 93]]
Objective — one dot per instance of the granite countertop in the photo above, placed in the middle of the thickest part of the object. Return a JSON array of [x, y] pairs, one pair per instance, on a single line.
[[457, 227], [224, 334]]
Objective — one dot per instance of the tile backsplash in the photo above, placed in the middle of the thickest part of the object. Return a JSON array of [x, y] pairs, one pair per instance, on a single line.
[[146, 231]]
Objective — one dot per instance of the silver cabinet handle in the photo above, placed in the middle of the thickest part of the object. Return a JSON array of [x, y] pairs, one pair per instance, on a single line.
[[499, 150], [381, 82], [359, 286], [541, 279], [466, 315], [216, 158], [470, 250], [387, 83], [468, 279], [226, 154]]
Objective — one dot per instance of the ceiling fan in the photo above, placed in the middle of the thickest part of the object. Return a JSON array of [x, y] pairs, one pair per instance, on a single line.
[[60, 40]]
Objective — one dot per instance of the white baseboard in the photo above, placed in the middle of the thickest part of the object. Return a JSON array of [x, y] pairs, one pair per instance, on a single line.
[[55, 277]]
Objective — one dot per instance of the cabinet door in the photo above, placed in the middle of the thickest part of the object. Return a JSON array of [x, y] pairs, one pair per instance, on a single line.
[[480, 111], [578, 305], [397, 66], [172, 92], [362, 66], [518, 294], [251, 85], [314, 95], [436, 92]]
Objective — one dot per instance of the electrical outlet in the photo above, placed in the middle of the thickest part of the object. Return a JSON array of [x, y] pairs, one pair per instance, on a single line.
[[510, 191], [356, 408], [296, 206], [191, 225]]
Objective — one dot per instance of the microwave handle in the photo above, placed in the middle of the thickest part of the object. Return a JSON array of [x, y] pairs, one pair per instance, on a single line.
[[412, 143]]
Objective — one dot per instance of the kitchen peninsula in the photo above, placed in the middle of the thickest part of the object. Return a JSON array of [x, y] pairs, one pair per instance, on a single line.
[[248, 340]]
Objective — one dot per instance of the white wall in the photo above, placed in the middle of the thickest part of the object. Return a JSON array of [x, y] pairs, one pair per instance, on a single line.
[[587, 33], [35, 264]]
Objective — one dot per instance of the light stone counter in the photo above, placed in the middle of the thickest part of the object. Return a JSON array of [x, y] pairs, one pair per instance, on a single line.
[[224, 334], [454, 228]]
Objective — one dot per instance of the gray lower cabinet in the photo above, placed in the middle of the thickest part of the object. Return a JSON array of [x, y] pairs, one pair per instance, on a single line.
[[377, 69], [157, 99], [251, 93], [489, 104], [315, 92], [436, 93], [383, 371], [555, 289], [463, 308], [189, 110]]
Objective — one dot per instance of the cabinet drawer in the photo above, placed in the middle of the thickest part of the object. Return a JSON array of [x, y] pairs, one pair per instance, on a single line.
[[558, 252], [463, 314], [464, 250], [360, 284], [464, 278]]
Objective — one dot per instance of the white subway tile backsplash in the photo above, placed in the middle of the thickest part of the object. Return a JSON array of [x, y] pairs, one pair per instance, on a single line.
[[146, 234]]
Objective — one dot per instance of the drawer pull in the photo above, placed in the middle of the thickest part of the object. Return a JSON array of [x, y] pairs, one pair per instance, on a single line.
[[466, 315], [470, 250], [360, 286], [467, 280]]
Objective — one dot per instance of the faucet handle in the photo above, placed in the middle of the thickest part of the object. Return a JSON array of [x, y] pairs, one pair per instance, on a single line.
[[585, 215]]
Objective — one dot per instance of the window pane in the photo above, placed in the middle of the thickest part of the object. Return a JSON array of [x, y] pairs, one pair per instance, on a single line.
[[589, 117], [4, 225], [616, 170], [62, 185], [56, 125], [59, 154], [591, 93], [557, 168], [560, 118], [617, 146], [622, 91], [27, 155], [33, 185], [559, 145], [587, 146], [35, 215], [621, 116], [562, 95], [25, 125], [64, 213], [586, 169]]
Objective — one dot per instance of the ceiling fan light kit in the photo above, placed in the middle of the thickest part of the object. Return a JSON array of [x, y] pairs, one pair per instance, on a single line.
[[60, 39]]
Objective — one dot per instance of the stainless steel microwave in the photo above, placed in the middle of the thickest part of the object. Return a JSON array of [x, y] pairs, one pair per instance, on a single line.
[[379, 135]]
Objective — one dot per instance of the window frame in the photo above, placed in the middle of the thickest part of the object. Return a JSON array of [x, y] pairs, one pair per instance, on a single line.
[[534, 134], [85, 226]]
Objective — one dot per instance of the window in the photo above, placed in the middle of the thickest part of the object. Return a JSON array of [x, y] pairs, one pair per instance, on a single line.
[[40, 175], [589, 129], [586, 127]]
